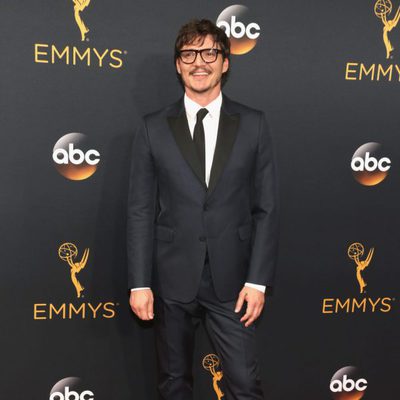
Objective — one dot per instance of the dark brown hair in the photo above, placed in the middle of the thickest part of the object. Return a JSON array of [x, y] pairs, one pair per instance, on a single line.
[[196, 30]]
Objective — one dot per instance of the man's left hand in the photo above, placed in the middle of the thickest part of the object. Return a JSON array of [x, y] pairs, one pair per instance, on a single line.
[[255, 303]]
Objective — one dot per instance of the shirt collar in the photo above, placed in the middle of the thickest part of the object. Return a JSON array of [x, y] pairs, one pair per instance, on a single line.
[[214, 108]]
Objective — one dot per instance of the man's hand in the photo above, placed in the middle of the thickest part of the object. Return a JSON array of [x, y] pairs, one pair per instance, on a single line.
[[255, 303], [141, 302]]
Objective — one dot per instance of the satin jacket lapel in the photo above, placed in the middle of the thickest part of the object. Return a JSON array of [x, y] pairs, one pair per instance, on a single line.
[[227, 131], [180, 129]]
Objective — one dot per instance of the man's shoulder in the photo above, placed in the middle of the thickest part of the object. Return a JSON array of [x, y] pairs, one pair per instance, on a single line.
[[164, 112], [234, 107]]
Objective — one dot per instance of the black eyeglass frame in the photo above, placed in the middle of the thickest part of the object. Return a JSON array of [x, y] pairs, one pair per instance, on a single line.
[[200, 51]]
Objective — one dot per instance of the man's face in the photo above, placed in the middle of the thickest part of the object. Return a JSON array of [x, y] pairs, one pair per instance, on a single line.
[[201, 77]]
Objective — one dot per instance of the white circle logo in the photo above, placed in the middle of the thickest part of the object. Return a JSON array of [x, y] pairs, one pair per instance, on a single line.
[[70, 389], [239, 27], [368, 166], [347, 384], [73, 157]]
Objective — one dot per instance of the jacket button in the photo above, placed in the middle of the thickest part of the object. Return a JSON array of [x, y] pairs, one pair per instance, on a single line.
[[202, 238]]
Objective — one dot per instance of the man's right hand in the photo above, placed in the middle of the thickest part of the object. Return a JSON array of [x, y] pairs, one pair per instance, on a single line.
[[141, 302]]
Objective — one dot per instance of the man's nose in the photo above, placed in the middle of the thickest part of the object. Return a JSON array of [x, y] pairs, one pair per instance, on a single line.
[[199, 61]]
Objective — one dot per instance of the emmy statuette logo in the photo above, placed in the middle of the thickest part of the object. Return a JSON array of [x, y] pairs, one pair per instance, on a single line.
[[378, 71], [383, 9], [75, 54], [211, 363], [81, 306], [68, 252], [359, 303], [354, 252], [79, 6]]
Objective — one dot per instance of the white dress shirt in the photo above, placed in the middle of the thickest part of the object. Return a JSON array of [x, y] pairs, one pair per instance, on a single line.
[[210, 124]]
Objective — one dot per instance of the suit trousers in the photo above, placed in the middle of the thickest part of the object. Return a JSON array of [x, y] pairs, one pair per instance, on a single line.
[[234, 344]]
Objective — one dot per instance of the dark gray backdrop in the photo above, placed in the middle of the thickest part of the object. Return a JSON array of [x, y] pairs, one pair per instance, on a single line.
[[296, 74]]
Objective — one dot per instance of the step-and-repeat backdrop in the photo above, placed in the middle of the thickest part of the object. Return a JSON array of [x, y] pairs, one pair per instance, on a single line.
[[76, 77]]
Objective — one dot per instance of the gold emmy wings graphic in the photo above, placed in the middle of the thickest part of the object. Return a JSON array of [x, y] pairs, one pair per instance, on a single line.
[[79, 6], [210, 363], [354, 252], [68, 252], [382, 9]]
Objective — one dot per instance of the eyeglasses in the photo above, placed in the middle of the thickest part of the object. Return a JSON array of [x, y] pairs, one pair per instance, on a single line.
[[207, 55]]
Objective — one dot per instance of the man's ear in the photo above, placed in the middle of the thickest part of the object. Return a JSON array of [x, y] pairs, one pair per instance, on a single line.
[[225, 65], [178, 67]]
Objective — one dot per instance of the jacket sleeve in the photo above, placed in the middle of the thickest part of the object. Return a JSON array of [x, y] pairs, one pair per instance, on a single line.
[[141, 211], [264, 212]]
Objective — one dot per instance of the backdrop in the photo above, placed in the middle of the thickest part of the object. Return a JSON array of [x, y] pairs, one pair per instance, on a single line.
[[75, 79]]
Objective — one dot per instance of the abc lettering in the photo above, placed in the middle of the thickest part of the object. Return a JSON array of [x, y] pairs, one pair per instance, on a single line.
[[253, 35], [238, 29], [361, 384], [75, 156], [370, 163], [348, 385], [72, 395]]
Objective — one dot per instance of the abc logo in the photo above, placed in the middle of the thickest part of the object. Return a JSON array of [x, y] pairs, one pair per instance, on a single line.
[[70, 388], [346, 384], [369, 168], [73, 158], [72, 395], [242, 33]]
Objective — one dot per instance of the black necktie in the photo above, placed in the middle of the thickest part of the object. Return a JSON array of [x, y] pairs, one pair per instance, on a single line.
[[198, 138]]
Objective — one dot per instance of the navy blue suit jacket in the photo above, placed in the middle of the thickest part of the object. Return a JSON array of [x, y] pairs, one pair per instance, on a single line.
[[173, 217]]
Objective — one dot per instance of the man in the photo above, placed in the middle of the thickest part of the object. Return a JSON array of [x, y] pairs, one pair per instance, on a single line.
[[202, 220]]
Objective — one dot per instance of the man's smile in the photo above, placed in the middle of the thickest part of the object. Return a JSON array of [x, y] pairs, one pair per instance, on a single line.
[[200, 73]]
